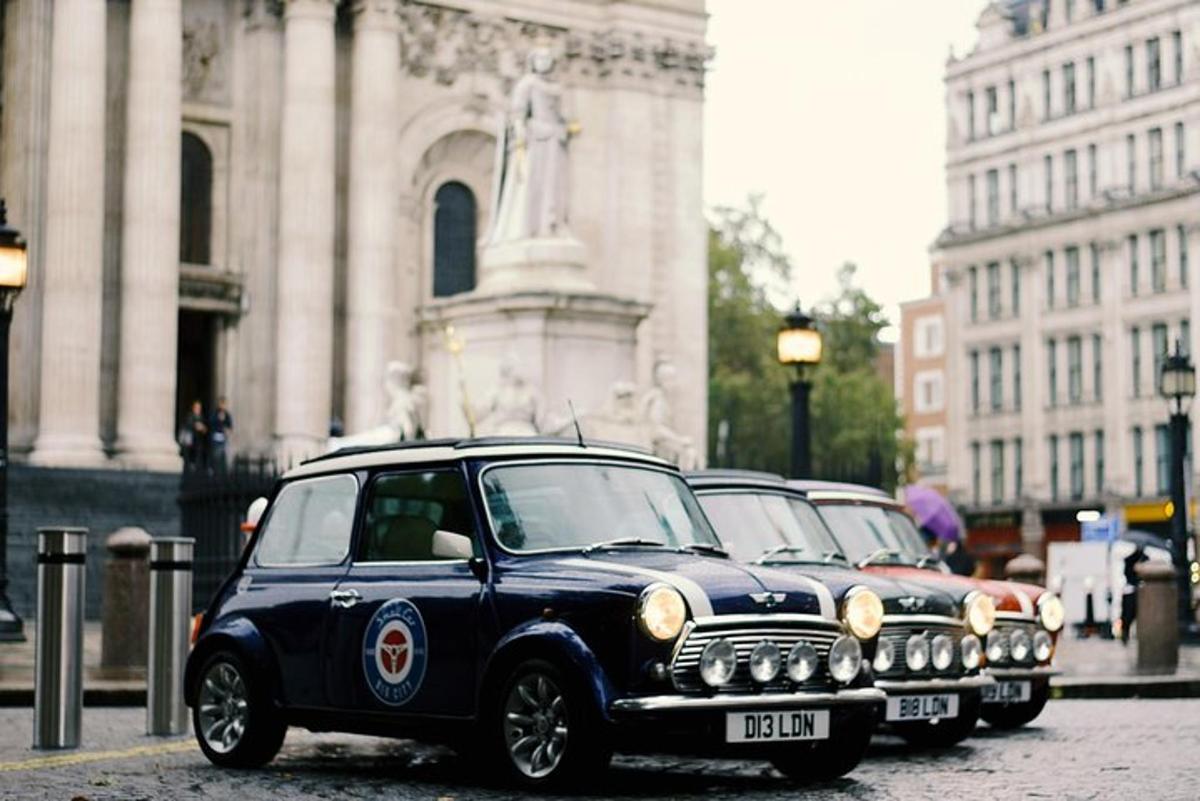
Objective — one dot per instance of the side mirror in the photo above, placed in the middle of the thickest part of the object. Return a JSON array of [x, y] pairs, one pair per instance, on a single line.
[[254, 513], [448, 545]]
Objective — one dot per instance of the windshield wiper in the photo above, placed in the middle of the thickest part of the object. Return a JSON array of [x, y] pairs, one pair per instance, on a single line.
[[830, 556], [875, 557], [926, 560], [704, 547], [766, 555], [620, 542]]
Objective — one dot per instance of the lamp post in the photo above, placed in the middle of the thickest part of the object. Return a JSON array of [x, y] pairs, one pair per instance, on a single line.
[[1177, 383], [12, 281], [798, 343]]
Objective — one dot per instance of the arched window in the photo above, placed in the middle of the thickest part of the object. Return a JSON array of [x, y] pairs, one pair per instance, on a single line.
[[453, 240], [195, 201]]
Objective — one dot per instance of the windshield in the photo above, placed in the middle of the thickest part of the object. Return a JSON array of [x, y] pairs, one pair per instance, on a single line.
[[536, 507], [776, 528], [865, 532], [910, 540]]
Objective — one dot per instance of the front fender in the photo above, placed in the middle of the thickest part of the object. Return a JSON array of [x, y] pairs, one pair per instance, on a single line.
[[554, 640], [240, 635]]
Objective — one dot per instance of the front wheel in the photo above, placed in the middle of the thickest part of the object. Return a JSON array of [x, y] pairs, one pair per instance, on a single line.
[[1012, 716], [234, 721], [545, 732], [830, 759]]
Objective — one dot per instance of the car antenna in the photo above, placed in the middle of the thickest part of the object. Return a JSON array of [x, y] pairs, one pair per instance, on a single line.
[[575, 420]]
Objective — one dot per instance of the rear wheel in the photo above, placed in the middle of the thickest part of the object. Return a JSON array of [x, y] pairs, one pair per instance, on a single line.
[[830, 759], [233, 719], [1012, 716]]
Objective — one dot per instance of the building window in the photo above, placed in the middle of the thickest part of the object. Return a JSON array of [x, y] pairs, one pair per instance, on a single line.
[[1094, 252], [929, 397], [1177, 53], [973, 290], [195, 201], [1158, 260], [1156, 158], [1099, 457], [1014, 271], [1097, 367], [1153, 65], [1045, 94], [1052, 371], [1131, 163], [1128, 71], [975, 381], [1132, 249], [1053, 446], [1180, 151], [1016, 368], [1074, 370], [996, 383], [993, 197], [1068, 73], [1091, 82], [1135, 349], [971, 201], [1075, 444], [970, 115], [1158, 341], [928, 340], [1181, 235], [997, 471], [1070, 180], [1048, 260], [993, 290], [1072, 254], [1012, 188], [1093, 176], [975, 473], [1012, 105], [992, 107], [1048, 166], [1139, 458], [453, 239], [1162, 459], [1018, 468], [1185, 336]]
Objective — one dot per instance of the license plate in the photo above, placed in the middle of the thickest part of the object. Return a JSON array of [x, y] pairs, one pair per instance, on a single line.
[[1007, 692], [777, 726], [922, 707]]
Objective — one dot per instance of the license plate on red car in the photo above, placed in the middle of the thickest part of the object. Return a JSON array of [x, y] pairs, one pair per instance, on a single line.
[[777, 726], [1007, 692]]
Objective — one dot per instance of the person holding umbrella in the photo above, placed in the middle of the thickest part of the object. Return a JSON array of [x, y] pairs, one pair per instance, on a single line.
[[941, 527]]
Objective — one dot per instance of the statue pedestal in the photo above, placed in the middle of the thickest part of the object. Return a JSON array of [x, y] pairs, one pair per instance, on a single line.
[[567, 344], [534, 264]]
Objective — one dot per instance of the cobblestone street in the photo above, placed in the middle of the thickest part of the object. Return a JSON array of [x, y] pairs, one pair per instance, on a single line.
[[1076, 749]]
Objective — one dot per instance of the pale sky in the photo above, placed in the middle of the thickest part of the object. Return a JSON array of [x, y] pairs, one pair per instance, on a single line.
[[835, 111]]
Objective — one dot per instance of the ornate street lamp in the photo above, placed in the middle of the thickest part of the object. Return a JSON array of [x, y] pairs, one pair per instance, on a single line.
[[1177, 383], [12, 281], [799, 344]]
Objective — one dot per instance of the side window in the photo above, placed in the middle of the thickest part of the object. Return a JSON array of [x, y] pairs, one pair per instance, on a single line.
[[418, 517], [310, 523]]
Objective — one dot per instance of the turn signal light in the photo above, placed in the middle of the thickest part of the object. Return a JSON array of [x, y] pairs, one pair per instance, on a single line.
[[197, 619]]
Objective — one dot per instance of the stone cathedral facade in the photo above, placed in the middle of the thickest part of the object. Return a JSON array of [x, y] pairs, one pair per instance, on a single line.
[[270, 201]]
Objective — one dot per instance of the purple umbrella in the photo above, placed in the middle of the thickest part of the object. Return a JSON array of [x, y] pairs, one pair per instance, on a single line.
[[933, 512]]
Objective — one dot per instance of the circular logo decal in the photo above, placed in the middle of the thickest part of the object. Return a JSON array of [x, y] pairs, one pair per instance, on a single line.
[[395, 652]]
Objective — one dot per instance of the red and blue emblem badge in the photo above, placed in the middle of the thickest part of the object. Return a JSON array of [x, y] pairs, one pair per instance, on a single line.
[[395, 652]]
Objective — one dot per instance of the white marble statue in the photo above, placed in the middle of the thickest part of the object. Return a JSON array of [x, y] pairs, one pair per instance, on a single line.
[[530, 194], [514, 406], [658, 419], [405, 412]]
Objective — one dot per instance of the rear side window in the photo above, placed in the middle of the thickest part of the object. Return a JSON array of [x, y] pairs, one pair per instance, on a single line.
[[310, 522]]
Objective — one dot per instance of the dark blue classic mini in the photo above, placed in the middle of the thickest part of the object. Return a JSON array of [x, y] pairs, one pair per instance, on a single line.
[[930, 647], [538, 603]]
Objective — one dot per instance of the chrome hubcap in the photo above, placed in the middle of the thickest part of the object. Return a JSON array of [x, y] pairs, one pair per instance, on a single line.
[[223, 710], [535, 725]]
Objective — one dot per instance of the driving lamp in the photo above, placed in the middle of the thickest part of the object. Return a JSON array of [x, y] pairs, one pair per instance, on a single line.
[[717, 662], [1020, 646], [885, 657], [862, 612], [1043, 646], [1051, 612], [916, 652], [942, 652], [980, 613], [765, 661], [997, 645], [845, 659], [972, 651], [661, 612], [801, 662]]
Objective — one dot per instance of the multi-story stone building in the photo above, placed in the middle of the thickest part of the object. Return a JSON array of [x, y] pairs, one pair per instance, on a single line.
[[1068, 261], [921, 384]]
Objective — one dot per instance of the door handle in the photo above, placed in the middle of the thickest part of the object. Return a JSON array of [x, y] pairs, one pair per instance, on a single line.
[[344, 598]]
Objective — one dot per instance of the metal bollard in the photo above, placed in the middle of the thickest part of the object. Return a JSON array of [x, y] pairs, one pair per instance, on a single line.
[[170, 614], [58, 672], [1157, 618]]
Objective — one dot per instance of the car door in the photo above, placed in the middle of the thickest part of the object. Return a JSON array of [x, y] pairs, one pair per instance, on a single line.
[[298, 561], [405, 620]]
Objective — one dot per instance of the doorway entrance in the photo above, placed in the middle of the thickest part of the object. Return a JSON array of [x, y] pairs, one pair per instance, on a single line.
[[196, 363]]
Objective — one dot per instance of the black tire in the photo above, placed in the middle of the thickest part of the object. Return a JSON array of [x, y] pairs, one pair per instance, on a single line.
[[946, 733], [830, 759], [262, 726], [1014, 716], [572, 722]]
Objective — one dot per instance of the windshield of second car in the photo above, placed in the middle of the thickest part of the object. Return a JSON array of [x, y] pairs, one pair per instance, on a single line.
[[759, 525], [864, 532], [563, 505], [911, 542]]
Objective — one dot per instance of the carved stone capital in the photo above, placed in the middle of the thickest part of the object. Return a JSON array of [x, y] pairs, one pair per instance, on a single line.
[[376, 14]]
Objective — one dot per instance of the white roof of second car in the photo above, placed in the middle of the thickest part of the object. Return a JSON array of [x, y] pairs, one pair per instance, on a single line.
[[451, 450]]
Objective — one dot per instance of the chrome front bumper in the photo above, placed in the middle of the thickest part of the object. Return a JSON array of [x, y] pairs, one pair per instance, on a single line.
[[683, 703], [902, 686], [1038, 672]]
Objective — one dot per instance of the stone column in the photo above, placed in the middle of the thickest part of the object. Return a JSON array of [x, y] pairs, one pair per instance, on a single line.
[[304, 325], [372, 208], [69, 404], [150, 239]]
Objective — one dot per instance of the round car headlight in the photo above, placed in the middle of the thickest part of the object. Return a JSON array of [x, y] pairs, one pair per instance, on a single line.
[[765, 661], [802, 662], [916, 652], [885, 657], [980, 613], [997, 646], [1051, 612], [972, 650], [862, 612], [845, 659], [661, 612], [942, 652], [1019, 645], [1043, 646], [718, 660]]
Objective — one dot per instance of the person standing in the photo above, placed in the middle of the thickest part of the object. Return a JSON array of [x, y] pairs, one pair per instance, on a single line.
[[1129, 593], [220, 430], [195, 435]]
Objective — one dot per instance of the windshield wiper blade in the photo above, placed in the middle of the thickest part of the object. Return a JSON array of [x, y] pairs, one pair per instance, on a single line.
[[766, 555], [875, 557], [926, 560], [704, 547], [830, 556], [620, 542]]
